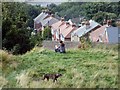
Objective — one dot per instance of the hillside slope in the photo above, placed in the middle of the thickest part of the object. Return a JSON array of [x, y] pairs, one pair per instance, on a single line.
[[90, 68]]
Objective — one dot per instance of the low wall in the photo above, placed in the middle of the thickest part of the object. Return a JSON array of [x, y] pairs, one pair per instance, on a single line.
[[74, 44], [51, 44]]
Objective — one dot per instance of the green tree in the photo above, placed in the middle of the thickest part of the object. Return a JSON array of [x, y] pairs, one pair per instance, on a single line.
[[88, 9], [100, 16], [36, 39], [16, 18], [47, 33]]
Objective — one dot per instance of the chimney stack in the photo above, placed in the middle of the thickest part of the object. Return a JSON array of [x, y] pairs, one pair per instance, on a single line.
[[109, 22], [83, 22], [104, 22], [87, 24], [67, 23], [62, 19], [79, 26], [43, 11], [52, 15], [46, 11], [73, 25]]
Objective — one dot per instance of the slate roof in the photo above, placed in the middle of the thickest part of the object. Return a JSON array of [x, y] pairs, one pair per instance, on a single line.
[[83, 30], [45, 19], [112, 33], [49, 21], [40, 17], [75, 20]]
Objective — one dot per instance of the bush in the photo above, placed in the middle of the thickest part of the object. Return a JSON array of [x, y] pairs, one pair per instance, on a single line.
[[84, 43], [47, 34], [36, 39]]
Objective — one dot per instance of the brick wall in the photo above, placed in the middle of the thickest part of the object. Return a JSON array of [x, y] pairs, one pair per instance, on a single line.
[[51, 44]]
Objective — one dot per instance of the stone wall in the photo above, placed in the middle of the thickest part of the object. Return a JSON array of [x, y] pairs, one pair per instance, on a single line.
[[72, 44], [51, 44]]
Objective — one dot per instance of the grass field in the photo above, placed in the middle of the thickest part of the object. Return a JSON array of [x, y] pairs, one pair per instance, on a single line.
[[89, 68]]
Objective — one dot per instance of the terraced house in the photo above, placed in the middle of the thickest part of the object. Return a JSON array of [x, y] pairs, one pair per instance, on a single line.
[[44, 19], [96, 32], [71, 31], [62, 30], [105, 34], [84, 30]]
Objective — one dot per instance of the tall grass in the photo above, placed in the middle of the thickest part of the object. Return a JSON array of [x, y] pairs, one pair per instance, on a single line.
[[89, 68]]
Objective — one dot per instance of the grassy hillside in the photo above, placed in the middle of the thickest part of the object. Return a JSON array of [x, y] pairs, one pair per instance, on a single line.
[[90, 68]]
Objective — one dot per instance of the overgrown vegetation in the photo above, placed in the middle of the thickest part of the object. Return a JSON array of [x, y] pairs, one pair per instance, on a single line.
[[47, 33], [17, 25], [90, 68]]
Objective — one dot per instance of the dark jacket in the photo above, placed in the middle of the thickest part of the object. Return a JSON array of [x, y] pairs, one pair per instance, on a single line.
[[62, 48]]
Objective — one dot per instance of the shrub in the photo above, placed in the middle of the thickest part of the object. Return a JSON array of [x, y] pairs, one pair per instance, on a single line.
[[47, 34]]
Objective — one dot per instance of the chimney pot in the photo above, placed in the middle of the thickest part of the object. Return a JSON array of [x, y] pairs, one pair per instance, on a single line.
[[104, 22], [62, 19], [73, 25], [109, 22], [52, 15], [67, 23], [87, 23]]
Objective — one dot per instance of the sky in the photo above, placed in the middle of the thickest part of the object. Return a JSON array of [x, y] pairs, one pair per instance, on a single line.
[[43, 4]]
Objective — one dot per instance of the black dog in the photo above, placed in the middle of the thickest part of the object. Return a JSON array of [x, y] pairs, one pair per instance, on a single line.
[[52, 76]]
